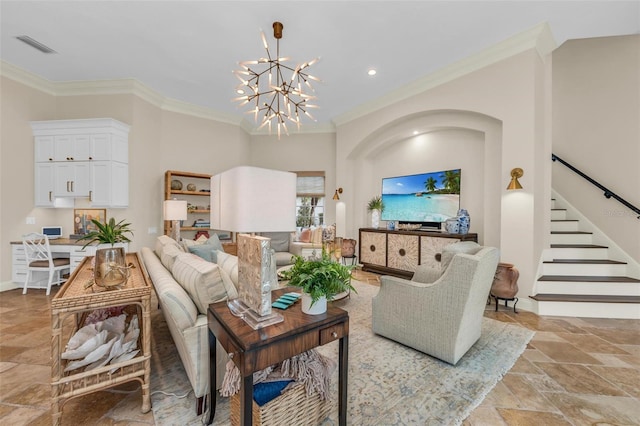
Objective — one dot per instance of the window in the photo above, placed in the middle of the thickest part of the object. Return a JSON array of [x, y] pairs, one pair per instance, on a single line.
[[309, 199]]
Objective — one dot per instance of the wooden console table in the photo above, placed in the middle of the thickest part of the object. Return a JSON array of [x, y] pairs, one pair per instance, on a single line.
[[74, 299], [400, 252], [253, 350]]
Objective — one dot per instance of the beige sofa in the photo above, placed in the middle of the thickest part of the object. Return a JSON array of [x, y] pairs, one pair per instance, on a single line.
[[185, 285]]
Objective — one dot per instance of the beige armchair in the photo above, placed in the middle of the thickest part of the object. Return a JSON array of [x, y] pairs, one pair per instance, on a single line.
[[442, 318]]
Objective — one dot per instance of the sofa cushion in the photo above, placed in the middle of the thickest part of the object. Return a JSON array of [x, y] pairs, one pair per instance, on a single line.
[[283, 258], [205, 282], [229, 264], [169, 254], [162, 241], [279, 240]]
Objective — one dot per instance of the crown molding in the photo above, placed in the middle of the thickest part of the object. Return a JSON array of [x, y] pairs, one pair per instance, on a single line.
[[27, 78], [127, 86], [538, 37]]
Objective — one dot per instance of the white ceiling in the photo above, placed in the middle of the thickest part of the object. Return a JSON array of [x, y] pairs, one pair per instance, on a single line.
[[186, 50]]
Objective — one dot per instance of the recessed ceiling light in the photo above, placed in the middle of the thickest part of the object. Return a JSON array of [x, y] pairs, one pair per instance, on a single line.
[[240, 92], [415, 132], [372, 72]]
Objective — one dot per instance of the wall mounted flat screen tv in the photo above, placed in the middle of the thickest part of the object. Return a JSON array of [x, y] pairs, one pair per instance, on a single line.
[[427, 198]]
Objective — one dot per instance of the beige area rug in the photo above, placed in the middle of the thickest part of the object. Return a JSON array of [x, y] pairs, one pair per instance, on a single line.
[[389, 384]]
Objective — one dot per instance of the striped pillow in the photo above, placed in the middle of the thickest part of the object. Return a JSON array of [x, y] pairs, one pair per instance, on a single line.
[[204, 281], [229, 264], [168, 255], [162, 241]]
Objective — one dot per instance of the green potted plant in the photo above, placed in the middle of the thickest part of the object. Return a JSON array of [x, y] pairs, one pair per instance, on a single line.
[[320, 280], [110, 269], [375, 206]]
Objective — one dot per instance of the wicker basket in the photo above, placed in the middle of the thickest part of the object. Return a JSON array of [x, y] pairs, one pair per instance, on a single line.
[[293, 407]]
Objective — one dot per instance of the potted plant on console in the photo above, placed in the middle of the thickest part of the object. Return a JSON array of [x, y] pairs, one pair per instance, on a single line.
[[110, 269], [320, 280], [375, 206]]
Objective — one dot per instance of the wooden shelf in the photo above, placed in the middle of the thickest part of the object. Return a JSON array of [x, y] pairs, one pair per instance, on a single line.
[[201, 180], [200, 193]]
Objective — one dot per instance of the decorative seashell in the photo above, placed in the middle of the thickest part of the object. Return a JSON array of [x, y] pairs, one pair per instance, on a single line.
[[87, 347], [92, 357], [113, 325], [81, 336]]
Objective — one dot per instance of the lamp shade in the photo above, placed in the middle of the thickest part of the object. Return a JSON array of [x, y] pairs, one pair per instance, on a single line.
[[253, 199], [175, 210]]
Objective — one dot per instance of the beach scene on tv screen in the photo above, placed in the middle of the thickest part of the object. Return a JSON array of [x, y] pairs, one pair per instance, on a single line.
[[425, 197]]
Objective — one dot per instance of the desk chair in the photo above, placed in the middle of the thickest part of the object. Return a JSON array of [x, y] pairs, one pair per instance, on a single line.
[[39, 258]]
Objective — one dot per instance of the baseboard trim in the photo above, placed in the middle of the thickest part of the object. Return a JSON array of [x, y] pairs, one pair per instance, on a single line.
[[8, 285]]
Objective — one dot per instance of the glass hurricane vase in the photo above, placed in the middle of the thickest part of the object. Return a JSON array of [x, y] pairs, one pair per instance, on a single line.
[[110, 270]]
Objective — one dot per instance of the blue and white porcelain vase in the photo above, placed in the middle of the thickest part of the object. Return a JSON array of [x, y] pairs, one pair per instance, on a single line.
[[464, 221], [451, 225]]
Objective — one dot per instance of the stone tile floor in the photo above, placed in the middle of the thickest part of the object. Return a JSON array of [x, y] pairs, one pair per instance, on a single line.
[[575, 371]]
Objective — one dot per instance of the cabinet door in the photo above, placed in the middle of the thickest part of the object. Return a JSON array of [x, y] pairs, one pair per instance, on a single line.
[[64, 175], [73, 148], [44, 184], [431, 249], [72, 179], [402, 252], [101, 146], [110, 184], [44, 149], [373, 248]]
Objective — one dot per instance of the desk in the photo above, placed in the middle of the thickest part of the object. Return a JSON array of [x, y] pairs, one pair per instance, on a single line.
[[253, 350], [60, 247], [74, 299]]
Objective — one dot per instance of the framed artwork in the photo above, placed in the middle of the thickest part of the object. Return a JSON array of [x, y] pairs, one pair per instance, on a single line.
[[82, 220]]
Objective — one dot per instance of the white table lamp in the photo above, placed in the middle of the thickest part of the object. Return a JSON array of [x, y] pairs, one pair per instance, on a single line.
[[175, 210], [251, 199]]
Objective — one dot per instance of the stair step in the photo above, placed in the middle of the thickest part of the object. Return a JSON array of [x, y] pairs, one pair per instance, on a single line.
[[590, 298], [582, 246], [587, 278], [587, 261], [570, 237], [593, 267], [564, 225], [571, 232]]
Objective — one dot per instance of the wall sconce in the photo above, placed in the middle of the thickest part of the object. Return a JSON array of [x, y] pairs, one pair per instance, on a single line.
[[336, 196], [515, 174]]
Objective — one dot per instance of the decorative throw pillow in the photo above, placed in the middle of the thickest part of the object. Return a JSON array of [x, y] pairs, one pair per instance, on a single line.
[[169, 254], [208, 250], [162, 241], [205, 282], [305, 236], [229, 264]]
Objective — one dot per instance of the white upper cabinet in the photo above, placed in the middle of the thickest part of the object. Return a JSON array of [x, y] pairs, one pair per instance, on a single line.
[[88, 158]]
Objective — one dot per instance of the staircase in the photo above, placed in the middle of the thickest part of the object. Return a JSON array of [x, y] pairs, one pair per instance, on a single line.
[[578, 277]]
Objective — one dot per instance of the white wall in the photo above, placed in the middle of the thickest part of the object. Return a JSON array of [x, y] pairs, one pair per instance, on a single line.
[[300, 152], [596, 116], [158, 141], [503, 102]]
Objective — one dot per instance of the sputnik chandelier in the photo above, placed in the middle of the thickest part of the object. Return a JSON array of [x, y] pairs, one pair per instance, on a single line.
[[276, 97]]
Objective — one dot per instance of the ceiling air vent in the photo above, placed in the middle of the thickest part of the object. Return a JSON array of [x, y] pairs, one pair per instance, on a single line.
[[35, 44]]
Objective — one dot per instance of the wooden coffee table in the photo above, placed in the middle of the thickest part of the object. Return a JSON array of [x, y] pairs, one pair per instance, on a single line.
[[253, 350]]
